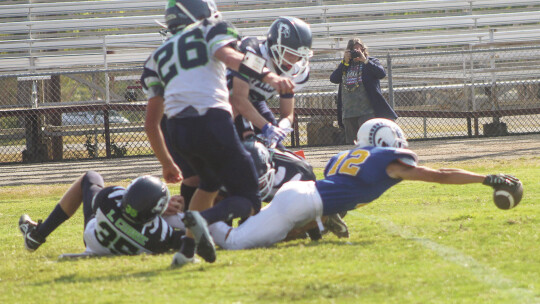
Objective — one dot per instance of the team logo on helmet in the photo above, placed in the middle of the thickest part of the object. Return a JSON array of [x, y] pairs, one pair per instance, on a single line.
[[284, 30]]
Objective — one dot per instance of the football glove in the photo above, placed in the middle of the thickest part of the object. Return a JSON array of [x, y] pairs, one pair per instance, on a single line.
[[498, 180], [273, 134]]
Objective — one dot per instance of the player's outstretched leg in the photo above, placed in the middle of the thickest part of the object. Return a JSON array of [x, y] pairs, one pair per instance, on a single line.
[[204, 243], [28, 228]]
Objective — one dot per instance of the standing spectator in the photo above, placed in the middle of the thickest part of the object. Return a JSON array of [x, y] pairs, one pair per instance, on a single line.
[[359, 94]]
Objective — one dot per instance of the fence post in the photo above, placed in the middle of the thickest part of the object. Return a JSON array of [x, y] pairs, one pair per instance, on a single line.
[[35, 150], [390, 84], [107, 101], [54, 94]]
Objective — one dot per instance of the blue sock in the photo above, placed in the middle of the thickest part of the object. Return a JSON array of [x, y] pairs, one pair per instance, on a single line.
[[227, 209], [55, 219]]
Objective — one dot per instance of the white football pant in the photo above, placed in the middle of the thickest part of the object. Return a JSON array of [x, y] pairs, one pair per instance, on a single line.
[[294, 205]]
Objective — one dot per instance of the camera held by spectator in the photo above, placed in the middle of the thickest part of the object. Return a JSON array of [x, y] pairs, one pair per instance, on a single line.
[[355, 54]]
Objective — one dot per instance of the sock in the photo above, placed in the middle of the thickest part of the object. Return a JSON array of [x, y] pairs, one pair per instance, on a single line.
[[188, 247], [55, 219], [187, 192], [227, 209]]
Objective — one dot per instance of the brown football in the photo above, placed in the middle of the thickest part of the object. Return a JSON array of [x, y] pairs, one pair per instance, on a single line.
[[506, 197]]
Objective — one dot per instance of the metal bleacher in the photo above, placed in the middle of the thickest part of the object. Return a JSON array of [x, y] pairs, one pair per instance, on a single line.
[[44, 35]]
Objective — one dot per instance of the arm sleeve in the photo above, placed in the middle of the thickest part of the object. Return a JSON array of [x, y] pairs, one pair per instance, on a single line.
[[337, 74], [220, 35], [107, 195], [375, 67], [150, 81]]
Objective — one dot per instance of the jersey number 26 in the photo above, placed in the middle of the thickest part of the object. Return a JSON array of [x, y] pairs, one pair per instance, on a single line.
[[192, 53]]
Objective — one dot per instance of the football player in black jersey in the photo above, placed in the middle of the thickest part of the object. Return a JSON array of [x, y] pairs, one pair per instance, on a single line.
[[286, 49], [117, 220]]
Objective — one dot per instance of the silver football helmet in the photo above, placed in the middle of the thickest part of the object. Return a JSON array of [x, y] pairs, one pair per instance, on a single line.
[[381, 132], [289, 35]]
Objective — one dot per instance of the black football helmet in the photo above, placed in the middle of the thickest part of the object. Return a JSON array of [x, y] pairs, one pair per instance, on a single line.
[[181, 13], [145, 198], [289, 35], [263, 166]]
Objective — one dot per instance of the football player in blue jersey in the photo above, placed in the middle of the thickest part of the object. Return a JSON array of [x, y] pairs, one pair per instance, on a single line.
[[185, 80], [353, 178], [117, 220], [286, 49]]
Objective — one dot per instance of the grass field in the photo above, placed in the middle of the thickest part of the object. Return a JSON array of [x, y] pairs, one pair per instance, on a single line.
[[419, 243]]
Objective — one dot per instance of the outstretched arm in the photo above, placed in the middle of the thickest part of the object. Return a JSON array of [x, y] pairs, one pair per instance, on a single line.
[[399, 170], [234, 60]]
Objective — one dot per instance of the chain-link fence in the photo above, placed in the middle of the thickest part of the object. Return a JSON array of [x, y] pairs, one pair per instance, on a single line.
[[100, 113]]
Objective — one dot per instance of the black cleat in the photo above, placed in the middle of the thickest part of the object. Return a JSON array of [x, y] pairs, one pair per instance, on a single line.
[[204, 243], [337, 226], [28, 228]]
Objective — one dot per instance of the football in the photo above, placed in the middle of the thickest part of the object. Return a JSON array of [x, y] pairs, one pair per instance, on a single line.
[[507, 198]]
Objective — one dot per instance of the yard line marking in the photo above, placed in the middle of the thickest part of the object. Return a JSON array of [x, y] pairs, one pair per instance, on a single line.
[[483, 273]]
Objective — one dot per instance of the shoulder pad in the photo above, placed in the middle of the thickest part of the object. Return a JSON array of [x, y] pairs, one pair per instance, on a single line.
[[105, 195], [407, 157], [222, 28], [250, 44]]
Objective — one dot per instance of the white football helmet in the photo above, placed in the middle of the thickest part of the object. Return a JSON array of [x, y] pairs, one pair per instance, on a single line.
[[381, 132]]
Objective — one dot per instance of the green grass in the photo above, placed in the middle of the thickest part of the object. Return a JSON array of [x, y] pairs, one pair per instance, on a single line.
[[419, 243]]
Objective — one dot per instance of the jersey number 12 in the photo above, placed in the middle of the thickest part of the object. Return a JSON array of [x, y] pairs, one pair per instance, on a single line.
[[349, 163]]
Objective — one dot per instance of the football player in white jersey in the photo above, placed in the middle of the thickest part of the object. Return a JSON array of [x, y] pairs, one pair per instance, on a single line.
[[287, 49], [353, 179], [117, 220], [186, 81]]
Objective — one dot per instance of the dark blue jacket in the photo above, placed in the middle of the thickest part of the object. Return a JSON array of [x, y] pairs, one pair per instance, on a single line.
[[372, 72]]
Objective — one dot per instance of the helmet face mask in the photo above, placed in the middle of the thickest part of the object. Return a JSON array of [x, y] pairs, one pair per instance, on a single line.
[[380, 132], [288, 39], [146, 197]]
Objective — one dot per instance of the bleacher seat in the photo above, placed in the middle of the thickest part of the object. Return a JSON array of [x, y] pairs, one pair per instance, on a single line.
[[58, 34]]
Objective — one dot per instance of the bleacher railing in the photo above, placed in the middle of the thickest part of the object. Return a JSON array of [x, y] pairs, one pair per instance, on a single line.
[[100, 113]]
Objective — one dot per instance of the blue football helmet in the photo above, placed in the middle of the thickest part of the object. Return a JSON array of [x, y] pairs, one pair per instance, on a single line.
[[146, 197]]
